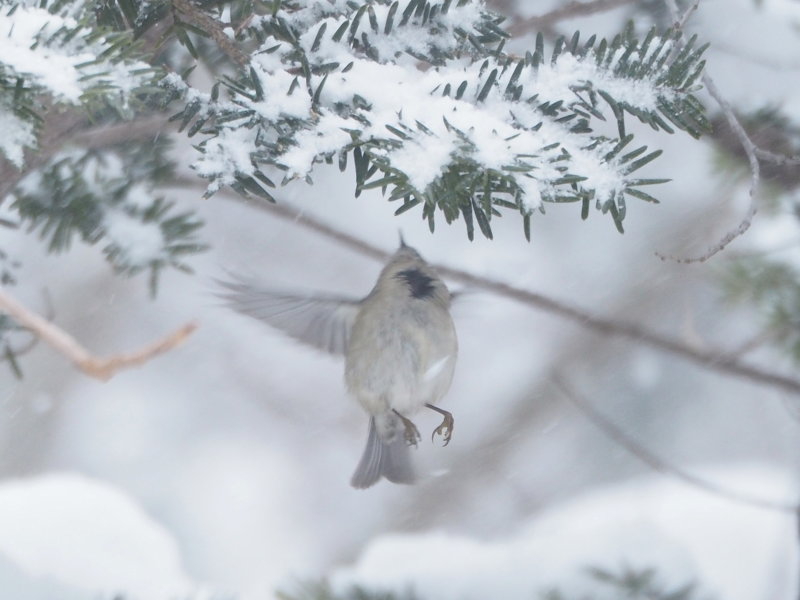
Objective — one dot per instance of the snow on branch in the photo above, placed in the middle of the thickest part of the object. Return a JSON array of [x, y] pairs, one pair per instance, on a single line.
[[109, 196], [53, 50], [432, 110]]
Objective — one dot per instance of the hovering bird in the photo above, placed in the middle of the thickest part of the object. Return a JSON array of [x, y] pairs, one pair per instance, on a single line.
[[400, 349]]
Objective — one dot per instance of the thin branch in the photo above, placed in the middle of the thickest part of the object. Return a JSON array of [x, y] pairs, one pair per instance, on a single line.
[[111, 134], [714, 359], [779, 159], [99, 368], [745, 141], [755, 342], [655, 462], [681, 22], [755, 176], [569, 10], [194, 15]]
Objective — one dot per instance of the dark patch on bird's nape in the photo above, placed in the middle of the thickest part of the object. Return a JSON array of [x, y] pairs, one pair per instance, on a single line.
[[420, 285]]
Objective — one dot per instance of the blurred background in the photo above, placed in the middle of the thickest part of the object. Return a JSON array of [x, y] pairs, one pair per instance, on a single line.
[[240, 443]]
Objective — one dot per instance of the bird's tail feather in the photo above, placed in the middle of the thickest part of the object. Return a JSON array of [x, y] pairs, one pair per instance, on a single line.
[[380, 459]]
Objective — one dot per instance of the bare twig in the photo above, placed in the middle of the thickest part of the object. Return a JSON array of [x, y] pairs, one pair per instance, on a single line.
[[568, 11], [717, 360], [681, 22], [194, 15], [745, 141], [144, 128], [779, 159], [755, 342], [99, 368], [618, 436], [755, 176]]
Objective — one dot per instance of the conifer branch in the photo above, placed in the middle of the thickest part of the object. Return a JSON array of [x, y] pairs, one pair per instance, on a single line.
[[94, 366], [309, 97], [194, 15]]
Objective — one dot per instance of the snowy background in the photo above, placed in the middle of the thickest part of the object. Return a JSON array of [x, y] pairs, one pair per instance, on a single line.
[[223, 466]]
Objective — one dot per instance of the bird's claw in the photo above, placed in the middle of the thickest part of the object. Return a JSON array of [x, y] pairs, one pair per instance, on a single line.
[[411, 433], [445, 430]]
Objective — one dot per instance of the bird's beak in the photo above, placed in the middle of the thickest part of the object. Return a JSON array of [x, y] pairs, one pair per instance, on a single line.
[[402, 241]]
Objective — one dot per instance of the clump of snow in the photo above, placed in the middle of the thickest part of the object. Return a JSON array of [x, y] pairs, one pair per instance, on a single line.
[[531, 194], [423, 158], [96, 170], [555, 81], [326, 137], [277, 102], [52, 68], [227, 156], [84, 539], [139, 196], [138, 243], [601, 174], [18, 134]]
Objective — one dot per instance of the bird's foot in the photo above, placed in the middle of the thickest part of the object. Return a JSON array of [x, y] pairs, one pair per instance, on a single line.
[[411, 435], [446, 428]]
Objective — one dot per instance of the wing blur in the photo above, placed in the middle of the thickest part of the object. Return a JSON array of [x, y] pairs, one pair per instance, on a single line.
[[321, 321]]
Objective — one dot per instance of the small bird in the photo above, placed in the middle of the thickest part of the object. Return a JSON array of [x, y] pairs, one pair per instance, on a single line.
[[400, 349]]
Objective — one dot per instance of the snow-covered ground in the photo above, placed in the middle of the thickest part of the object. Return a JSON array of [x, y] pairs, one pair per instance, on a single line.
[[66, 536]]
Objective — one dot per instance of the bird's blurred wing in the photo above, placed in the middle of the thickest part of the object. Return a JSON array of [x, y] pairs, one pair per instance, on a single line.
[[320, 321]]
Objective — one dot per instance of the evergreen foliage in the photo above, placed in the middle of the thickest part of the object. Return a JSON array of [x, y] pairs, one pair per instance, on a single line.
[[628, 583], [419, 96], [457, 125], [110, 197], [56, 55]]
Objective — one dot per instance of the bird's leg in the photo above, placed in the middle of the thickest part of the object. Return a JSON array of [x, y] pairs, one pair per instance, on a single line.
[[446, 428], [412, 433]]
